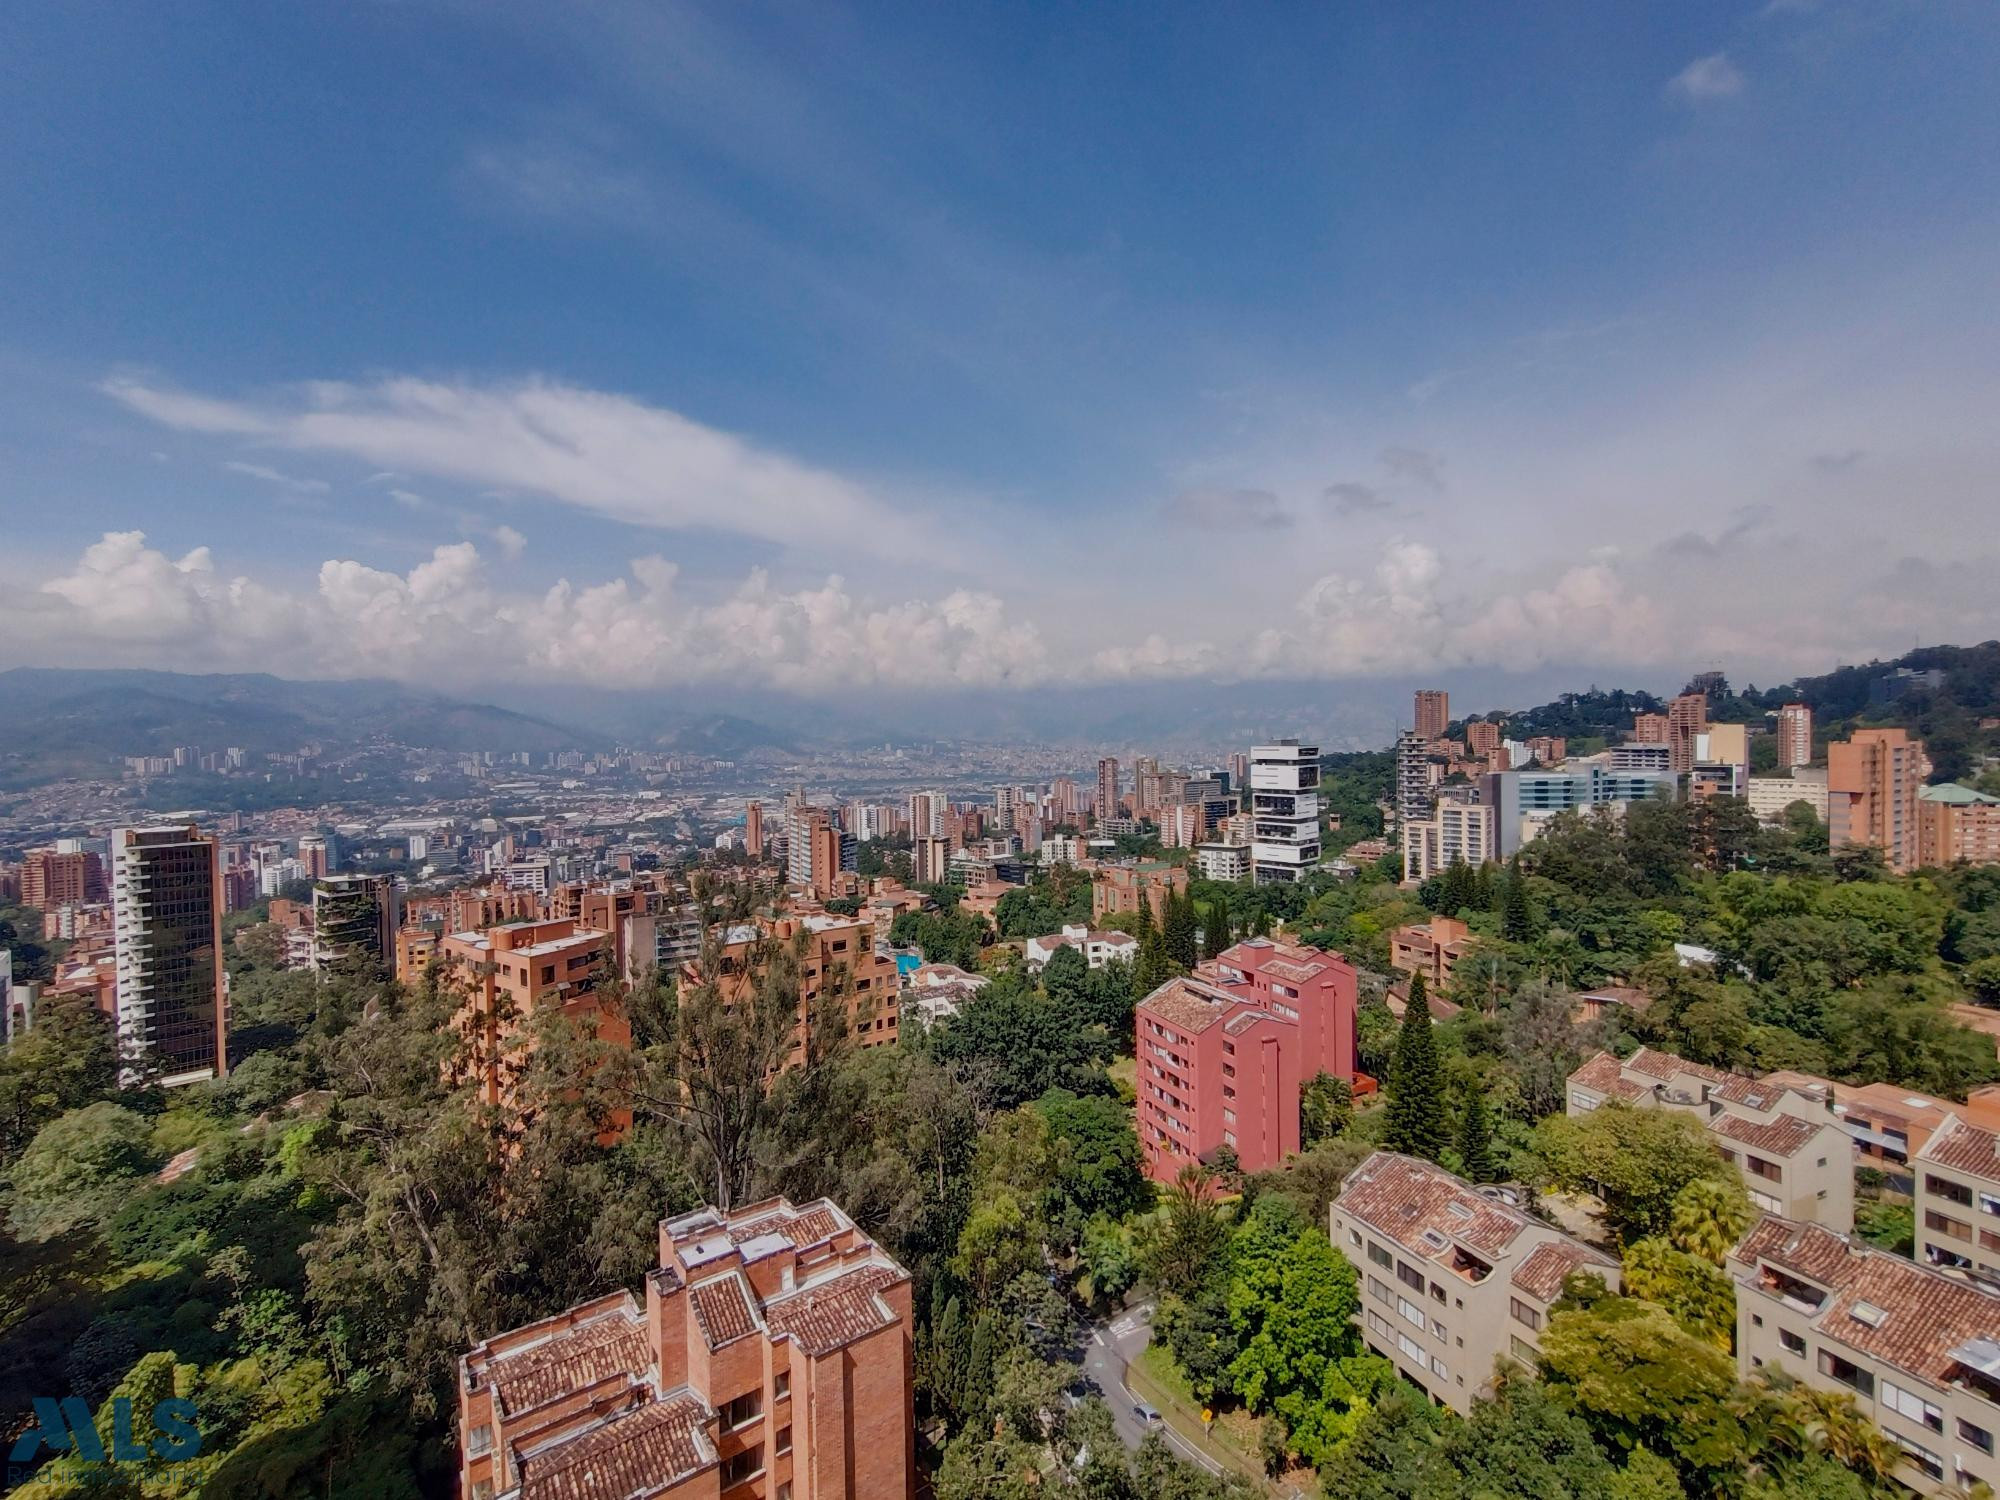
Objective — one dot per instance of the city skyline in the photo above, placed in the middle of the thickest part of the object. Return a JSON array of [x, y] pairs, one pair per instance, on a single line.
[[631, 349]]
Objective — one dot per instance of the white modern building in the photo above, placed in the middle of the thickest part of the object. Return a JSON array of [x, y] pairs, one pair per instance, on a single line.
[[1456, 833], [1225, 862], [1097, 948], [1284, 809]]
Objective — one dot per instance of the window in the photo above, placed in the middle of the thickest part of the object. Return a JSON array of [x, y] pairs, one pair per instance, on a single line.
[[741, 1466], [1958, 1229], [1437, 1293], [1412, 1312], [482, 1489], [1979, 1437], [1909, 1404], [1354, 1237], [783, 1445], [479, 1441], [1379, 1290], [1523, 1350], [1945, 1188], [1410, 1276], [1524, 1314], [781, 1385], [1849, 1375], [744, 1408], [1921, 1456], [1412, 1348], [1380, 1256], [1437, 1367], [784, 1491]]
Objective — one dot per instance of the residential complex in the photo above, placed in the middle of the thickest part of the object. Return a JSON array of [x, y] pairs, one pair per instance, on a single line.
[[1770, 796], [1455, 833], [1792, 1150], [1454, 1279], [771, 1360], [173, 1008], [64, 875], [834, 953], [1956, 1181], [1957, 823], [507, 976], [1097, 948], [1223, 1052], [1431, 949], [355, 919], [1917, 1350], [1687, 717]]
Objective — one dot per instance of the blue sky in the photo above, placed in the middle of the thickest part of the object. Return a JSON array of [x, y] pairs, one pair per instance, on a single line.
[[990, 346]]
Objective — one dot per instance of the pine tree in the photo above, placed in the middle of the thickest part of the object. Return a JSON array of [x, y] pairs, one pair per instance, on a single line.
[[1475, 1142], [1215, 931], [1517, 922], [1416, 1084], [1151, 968], [1178, 932]]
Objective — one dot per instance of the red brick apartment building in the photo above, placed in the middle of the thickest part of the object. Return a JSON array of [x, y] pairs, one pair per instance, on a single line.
[[831, 946], [1223, 1052], [771, 1361]]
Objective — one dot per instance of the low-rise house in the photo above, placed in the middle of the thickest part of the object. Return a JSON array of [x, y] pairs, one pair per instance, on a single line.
[[1097, 948], [1430, 949], [1792, 1150], [935, 991], [1454, 1280], [1918, 1350], [771, 1359]]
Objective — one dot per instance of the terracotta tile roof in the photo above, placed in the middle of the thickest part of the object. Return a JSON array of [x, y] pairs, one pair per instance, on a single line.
[[1785, 1136], [1293, 973], [1665, 1067], [638, 1453], [605, 1346], [722, 1308], [1184, 1003], [1964, 1147], [1541, 1274], [1599, 1073], [1890, 1309], [1754, 1093], [834, 1312], [1807, 1249], [1402, 1197]]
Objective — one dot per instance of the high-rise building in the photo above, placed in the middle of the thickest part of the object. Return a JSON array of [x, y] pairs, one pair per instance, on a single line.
[[1062, 802], [930, 859], [770, 1358], [816, 852], [355, 918], [753, 828], [166, 894], [1413, 778], [1456, 833], [1107, 788], [1284, 794], [316, 854], [927, 810], [65, 875], [1872, 782], [1795, 735], [1687, 716], [1239, 772], [1003, 807], [1482, 738], [1223, 1053], [1649, 729], [1433, 712]]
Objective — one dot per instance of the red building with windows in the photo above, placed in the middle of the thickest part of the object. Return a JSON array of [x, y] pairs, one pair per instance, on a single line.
[[1223, 1053], [771, 1360]]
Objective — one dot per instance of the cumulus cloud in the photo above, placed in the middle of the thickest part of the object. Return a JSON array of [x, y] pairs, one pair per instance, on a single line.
[[1711, 77], [128, 603], [511, 543], [604, 453], [1228, 509]]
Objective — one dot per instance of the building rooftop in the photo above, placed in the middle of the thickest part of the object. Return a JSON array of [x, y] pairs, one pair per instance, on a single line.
[[1891, 1309], [638, 1452], [1957, 796], [1785, 1136], [1431, 1214], [1191, 1004], [1963, 1147]]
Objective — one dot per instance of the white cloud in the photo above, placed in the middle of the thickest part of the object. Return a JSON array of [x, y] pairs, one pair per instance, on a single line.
[[512, 544], [130, 604], [1711, 77], [608, 454]]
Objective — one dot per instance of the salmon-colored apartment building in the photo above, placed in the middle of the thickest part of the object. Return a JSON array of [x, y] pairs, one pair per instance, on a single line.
[[1222, 1053], [503, 977], [771, 1361], [1872, 781], [832, 947]]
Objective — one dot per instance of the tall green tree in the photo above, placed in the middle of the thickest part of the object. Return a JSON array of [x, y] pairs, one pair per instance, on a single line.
[[1416, 1113], [1475, 1142], [1215, 931]]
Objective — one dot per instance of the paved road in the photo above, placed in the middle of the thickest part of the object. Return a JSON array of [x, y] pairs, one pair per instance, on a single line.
[[1108, 1347]]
